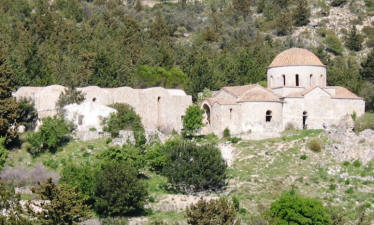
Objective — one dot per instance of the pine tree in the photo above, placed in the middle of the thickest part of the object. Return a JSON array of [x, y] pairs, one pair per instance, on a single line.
[[367, 70], [159, 29], [242, 6], [284, 24], [354, 40], [302, 13], [8, 105]]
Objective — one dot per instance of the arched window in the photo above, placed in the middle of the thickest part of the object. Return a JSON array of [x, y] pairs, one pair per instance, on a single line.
[[305, 117], [310, 80], [297, 80], [269, 116], [207, 112], [230, 113], [284, 80]]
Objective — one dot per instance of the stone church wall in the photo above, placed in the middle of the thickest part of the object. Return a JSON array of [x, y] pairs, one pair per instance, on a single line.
[[159, 108]]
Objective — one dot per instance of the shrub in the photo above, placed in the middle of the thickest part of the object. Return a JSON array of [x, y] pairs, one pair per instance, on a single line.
[[27, 113], [157, 157], [126, 154], [214, 212], [70, 96], [3, 152], [357, 163], [234, 140], [364, 122], [236, 203], [293, 209], [82, 176], [334, 45], [52, 135], [125, 119], [315, 145], [65, 204], [192, 121], [332, 187], [195, 168], [338, 3], [10, 203], [118, 191], [226, 133], [303, 157]]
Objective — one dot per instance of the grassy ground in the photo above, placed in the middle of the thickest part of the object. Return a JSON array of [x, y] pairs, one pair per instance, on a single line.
[[261, 172]]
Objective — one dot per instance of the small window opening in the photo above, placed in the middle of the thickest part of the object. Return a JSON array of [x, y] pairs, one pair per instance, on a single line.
[[297, 80], [269, 116], [310, 80], [207, 113], [284, 80], [158, 99], [230, 113], [305, 117], [94, 99]]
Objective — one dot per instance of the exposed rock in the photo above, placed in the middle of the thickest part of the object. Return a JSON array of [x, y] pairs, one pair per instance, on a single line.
[[178, 202], [127, 136]]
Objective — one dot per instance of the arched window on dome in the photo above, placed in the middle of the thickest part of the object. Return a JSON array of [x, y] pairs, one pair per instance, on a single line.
[[311, 80], [297, 80], [284, 80]]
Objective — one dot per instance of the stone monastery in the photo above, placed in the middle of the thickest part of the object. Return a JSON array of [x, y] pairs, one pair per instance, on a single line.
[[297, 95]]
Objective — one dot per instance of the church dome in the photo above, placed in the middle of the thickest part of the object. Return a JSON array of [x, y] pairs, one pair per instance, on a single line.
[[296, 57]]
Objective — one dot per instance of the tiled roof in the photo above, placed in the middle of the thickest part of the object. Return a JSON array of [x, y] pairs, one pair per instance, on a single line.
[[258, 94], [340, 92], [238, 90], [296, 57], [213, 101]]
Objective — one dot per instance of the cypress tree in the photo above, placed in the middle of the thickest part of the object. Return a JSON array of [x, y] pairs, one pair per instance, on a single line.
[[367, 70], [8, 105], [354, 40], [302, 13]]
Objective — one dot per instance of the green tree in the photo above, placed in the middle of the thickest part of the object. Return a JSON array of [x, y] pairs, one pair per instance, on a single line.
[[159, 29], [195, 168], [126, 154], [27, 113], [193, 120], [334, 45], [354, 40], [367, 67], [3, 152], [118, 191], [148, 76], [243, 7], [8, 105], [53, 134], [70, 96], [291, 208], [10, 202], [344, 71], [213, 212], [302, 13], [284, 23], [65, 204]]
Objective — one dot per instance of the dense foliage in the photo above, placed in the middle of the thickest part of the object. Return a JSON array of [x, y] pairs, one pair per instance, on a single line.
[[192, 120], [65, 204], [125, 119], [213, 212], [118, 191], [126, 154], [3, 152], [8, 105], [291, 208], [69, 96], [194, 168], [364, 122], [27, 113], [52, 134]]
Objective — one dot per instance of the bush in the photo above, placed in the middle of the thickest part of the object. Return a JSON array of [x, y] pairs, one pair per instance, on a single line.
[[70, 96], [27, 114], [118, 191], [3, 152], [364, 122], [126, 154], [357, 163], [52, 135], [65, 204], [214, 212], [234, 140], [334, 45], [192, 121], [226, 133], [82, 176], [125, 119], [195, 168], [303, 157], [293, 209], [315, 145], [157, 157], [338, 3]]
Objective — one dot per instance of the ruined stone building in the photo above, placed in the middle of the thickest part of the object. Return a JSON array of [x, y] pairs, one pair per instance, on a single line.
[[158, 108], [296, 95]]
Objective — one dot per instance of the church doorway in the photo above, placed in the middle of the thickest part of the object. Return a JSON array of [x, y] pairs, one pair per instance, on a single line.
[[305, 117]]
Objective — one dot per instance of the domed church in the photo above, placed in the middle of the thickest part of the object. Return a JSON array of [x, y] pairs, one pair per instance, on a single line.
[[297, 96]]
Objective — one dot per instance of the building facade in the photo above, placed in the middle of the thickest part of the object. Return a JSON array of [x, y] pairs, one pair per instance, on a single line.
[[297, 95]]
